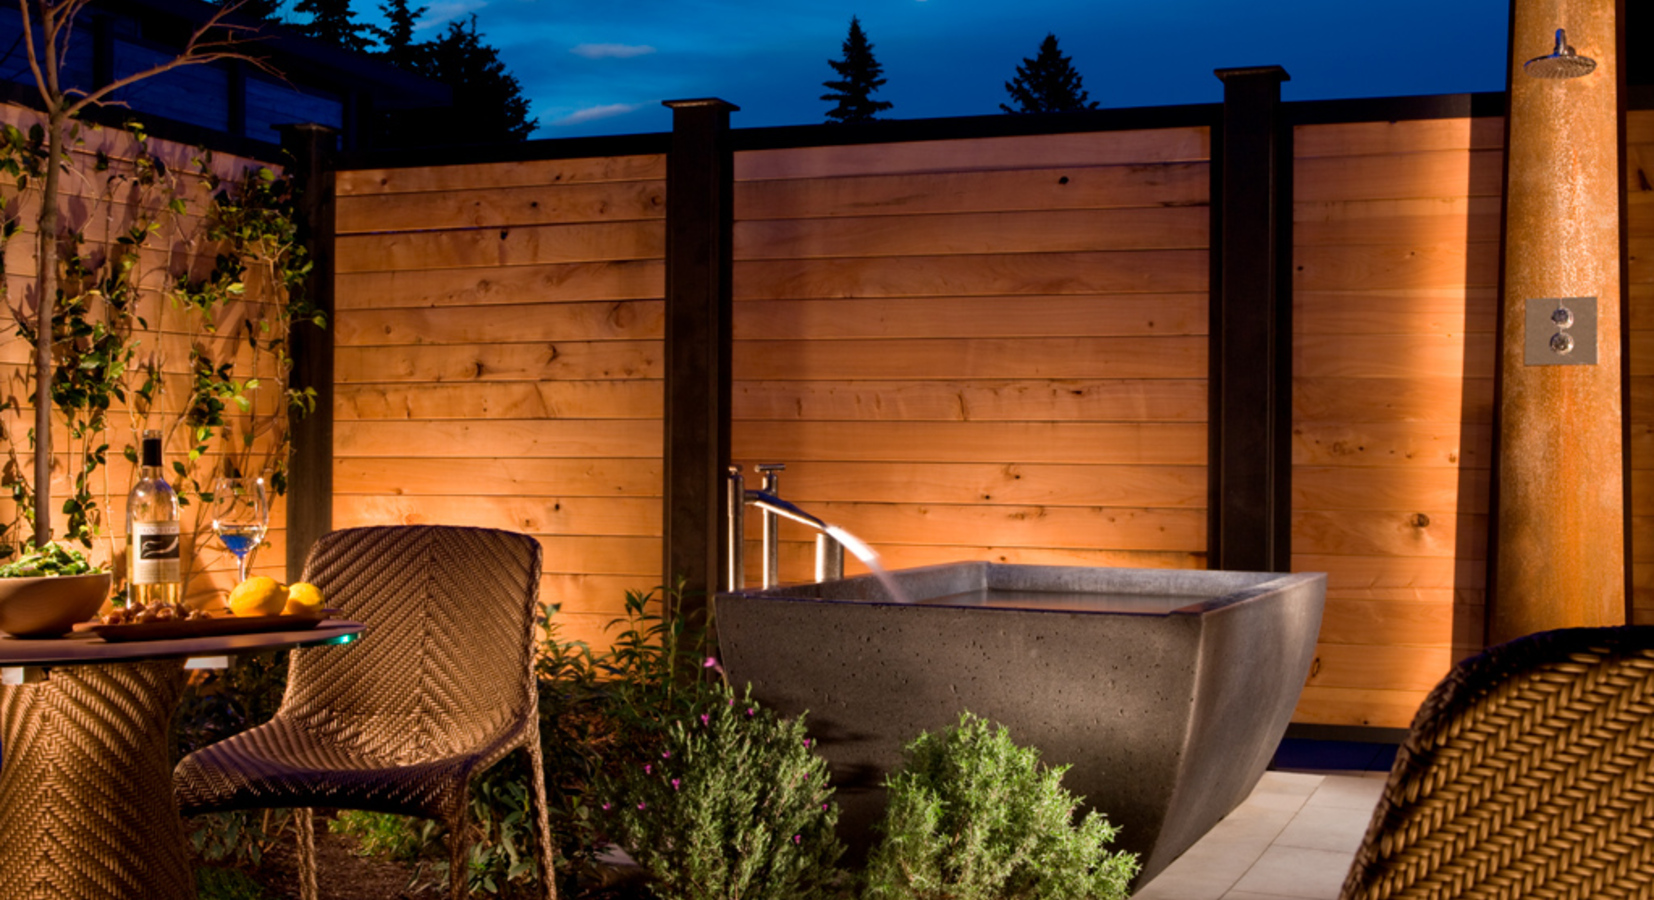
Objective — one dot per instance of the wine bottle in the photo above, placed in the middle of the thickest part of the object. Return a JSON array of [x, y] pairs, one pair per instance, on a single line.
[[153, 571]]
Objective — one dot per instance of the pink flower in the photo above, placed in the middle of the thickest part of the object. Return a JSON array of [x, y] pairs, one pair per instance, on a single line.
[[674, 784], [823, 806], [798, 839], [647, 768], [608, 806], [705, 718], [666, 754], [643, 806], [750, 710]]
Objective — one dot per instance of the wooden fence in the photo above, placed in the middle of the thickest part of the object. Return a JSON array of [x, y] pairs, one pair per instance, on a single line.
[[972, 348]]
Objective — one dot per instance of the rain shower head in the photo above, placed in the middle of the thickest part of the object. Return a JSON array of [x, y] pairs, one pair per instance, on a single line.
[[1562, 62]]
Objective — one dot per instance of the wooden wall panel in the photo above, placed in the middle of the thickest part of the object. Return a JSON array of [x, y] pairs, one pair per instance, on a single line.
[[499, 362], [990, 349], [1396, 249], [1639, 358], [170, 334]]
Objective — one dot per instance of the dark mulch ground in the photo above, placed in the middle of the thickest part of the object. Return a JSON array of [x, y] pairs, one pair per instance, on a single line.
[[342, 874]]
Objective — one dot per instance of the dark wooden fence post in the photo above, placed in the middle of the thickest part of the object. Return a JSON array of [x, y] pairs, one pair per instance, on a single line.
[[699, 223], [310, 473], [1250, 422]]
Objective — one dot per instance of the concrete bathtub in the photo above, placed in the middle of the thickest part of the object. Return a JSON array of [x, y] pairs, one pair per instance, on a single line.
[[1167, 690]]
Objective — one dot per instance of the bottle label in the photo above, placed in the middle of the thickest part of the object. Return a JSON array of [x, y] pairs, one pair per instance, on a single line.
[[155, 553]]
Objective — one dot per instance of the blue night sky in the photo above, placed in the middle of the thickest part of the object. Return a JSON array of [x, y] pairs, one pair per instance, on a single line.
[[593, 67]]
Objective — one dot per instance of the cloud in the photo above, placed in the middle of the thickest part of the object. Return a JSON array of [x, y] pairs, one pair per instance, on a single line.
[[612, 51], [593, 113], [439, 14]]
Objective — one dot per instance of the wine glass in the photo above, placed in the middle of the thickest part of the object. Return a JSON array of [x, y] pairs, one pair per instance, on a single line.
[[240, 514]]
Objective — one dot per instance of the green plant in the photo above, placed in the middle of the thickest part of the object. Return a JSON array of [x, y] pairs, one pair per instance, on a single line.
[[734, 805], [972, 816], [212, 883]]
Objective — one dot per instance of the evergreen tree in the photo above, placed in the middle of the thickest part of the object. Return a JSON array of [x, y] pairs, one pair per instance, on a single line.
[[859, 76], [488, 101], [1047, 83], [400, 49], [332, 22]]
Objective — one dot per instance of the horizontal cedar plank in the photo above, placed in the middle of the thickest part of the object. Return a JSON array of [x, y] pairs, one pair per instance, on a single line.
[[506, 323], [474, 176], [1639, 126], [1067, 187], [590, 516], [1387, 624], [1397, 222], [1432, 173], [1330, 488], [1398, 444], [1390, 533], [1642, 538], [1350, 706], [634, 399], [600, 596], [1103, 315], [1418, 399], [638, 279], [519, 246], [1388, 267], [988, 483], [999, 442], [503, 206], [1391, 668], [1398, 137], [1356, 573], [568, 477], [572, 554], [798, 556], [963, 234], [1096, 357], [1148, 271], [609, 438], [1115, 528], [596, 360], [1137, 400], [1466, 599], [1422, 310], [1160, 145], [1392, 356]]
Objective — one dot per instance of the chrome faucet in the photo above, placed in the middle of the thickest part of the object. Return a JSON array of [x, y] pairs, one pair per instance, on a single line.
[[829, 552]]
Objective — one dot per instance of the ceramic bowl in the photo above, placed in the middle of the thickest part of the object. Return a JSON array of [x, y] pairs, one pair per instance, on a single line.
[[50, 606]]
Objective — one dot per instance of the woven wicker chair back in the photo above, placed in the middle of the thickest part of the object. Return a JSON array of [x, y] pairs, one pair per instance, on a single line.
[[1529, 773], [445, 663]]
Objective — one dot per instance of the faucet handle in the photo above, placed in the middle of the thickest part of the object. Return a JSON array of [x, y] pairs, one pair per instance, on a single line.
[[771, 467]]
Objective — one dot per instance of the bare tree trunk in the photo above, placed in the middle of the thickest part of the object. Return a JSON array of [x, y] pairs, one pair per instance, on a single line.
[[46, 284]]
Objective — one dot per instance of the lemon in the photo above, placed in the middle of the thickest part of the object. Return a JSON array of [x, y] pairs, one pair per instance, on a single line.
[[260, 595], [303, 599]]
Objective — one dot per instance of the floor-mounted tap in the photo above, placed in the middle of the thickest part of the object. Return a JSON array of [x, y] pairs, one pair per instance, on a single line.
[[829, 552]]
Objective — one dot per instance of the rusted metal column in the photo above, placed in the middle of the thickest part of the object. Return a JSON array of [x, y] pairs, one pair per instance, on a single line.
[[1559, 549]]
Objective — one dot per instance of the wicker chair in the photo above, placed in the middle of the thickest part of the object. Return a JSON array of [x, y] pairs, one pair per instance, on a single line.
[[1529, 773], [440, 687]]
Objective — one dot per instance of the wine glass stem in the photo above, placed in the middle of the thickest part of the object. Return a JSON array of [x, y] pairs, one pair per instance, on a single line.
[[241, 566]]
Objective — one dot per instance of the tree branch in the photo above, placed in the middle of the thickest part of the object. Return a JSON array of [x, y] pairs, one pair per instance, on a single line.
[[196, 52]]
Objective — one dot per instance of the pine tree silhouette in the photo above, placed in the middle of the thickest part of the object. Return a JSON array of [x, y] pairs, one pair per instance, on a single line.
[[1047, 83], [333, 22], [858, 78], [398, 41]]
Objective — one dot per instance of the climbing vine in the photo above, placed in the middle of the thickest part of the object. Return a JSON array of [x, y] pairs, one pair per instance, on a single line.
[[176, 292]]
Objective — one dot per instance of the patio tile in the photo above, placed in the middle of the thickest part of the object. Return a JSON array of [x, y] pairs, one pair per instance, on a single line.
[[1297, 872], [1283, 791], [1325, 828], [1348, 792]]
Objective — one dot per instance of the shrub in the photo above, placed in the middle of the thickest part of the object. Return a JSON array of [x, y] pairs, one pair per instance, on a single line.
[[972, 816], [734, 805]]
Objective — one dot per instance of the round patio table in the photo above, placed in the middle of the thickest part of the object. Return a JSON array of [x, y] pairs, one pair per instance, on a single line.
[[86, 804]]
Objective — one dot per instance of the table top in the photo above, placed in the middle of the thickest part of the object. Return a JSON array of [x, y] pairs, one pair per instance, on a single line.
[[82, 648]]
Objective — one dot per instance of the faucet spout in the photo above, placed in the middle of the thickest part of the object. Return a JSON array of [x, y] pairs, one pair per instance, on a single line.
[[768, 501]]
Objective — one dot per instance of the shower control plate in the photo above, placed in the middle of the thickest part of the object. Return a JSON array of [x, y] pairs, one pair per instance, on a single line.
[[1561, 331]]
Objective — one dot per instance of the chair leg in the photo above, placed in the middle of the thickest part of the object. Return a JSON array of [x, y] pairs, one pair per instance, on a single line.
[[305, 820], [458, 844], [542, 822]]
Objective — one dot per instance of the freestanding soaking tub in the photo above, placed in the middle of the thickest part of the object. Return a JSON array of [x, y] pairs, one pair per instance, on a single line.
[[1167, 690]]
